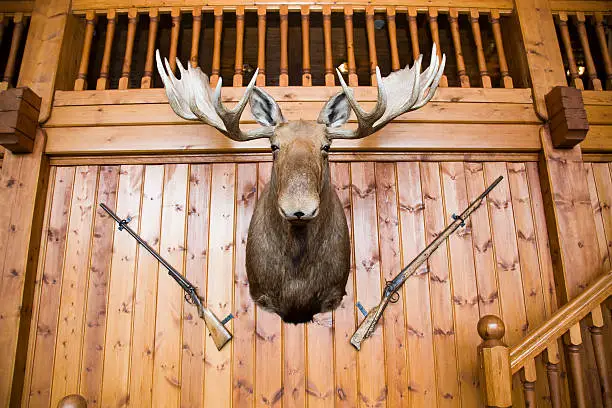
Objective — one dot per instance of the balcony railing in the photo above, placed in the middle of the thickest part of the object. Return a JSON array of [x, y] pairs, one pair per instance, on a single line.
[[300, 45]]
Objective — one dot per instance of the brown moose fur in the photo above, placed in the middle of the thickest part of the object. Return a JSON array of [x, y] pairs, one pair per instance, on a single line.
[[298, 269]]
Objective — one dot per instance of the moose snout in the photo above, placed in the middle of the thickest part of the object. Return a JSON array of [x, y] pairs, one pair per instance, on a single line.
[[296, 212]]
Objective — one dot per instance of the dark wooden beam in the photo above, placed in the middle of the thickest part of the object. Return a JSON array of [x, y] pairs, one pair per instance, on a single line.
[[567, 116], [19, 110]]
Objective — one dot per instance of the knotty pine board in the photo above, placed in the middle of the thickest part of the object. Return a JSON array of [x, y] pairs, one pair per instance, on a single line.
[[136, 342]]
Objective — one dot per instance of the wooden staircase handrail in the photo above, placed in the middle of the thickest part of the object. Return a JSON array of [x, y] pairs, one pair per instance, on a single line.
[[566, 317]]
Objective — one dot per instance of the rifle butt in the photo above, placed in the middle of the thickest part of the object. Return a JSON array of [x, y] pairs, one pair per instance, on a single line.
[[365, 328], [220, 335]]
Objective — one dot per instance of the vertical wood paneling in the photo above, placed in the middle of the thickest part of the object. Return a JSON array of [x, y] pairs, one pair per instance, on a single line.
[[506, 254], [529, 259], [92, 361], [220, 282], [121, 291], [482, 243], [46, 328], [166, 363], [421, 362], [345, 355], [74, 282], [465, 293], [390, 265], [196, 271], [244, 308], [440, 286], [25, 397], [268, 342], [145, 300], [142, 346], [372, 387]]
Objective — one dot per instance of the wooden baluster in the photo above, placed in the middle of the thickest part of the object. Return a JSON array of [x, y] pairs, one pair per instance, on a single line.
[[194, 57], [433, 25], [175, 13], [15, 42], [567, 44], [124, 81], [414, 32], [482, 63], [103, 81], [218, 32], [553, 373], [575, 361], [499, 44], [1, 27], [306, 77], [453, 15], [145, 82], [605, 52], [283, 79], [597, 337], [261, 45], [494, 355], [371, 43], [528, 377], [239, 46], [81, 81], [584, 42], [329, 62], [392, 29], [350, 46]]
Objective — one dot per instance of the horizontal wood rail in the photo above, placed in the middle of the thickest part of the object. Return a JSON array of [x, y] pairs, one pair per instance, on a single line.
[[566, 317], [499, 362]]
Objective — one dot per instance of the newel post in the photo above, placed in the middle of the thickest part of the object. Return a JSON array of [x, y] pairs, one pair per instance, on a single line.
[[494, 361]]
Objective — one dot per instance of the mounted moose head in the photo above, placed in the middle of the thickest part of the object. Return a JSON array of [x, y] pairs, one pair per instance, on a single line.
[[298, 248]]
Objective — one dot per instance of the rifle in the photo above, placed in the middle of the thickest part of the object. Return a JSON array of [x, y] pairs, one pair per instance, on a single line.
[[367, 326], [218, 332]]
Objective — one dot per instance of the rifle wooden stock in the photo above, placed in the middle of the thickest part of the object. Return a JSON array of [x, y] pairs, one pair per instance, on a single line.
[[218, 332]]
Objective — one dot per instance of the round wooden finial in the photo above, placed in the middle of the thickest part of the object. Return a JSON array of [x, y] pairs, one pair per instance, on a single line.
[[72, 401], [491, 327]]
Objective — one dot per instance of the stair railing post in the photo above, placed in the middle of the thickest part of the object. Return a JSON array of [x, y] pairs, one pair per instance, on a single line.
[[494, 361]]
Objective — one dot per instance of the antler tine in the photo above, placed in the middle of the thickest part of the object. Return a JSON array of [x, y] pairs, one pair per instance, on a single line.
[[401, 91], [191, 97]]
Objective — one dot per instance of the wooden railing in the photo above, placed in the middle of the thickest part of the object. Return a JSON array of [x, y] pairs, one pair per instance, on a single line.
[[584, 38], [292, 45], [16, 27], [498, 362]]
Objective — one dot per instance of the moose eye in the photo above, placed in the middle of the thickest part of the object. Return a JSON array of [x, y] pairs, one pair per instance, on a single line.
[[274, 147], [325, 148]]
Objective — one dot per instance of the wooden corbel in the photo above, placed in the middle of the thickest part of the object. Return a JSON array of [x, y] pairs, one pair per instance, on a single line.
[[19, 111], [568, 120]]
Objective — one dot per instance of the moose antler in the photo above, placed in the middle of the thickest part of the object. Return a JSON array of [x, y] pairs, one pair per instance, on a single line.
[[402, 91], [192, 98]]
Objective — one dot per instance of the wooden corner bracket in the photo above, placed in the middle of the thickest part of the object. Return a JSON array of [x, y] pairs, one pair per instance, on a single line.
[[568, 118], [19, 110]]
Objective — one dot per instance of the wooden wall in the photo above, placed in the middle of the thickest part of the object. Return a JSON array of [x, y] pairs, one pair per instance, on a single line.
[[112, 326]]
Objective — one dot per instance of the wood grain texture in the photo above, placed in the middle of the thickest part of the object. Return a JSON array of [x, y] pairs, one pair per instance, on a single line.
[[74, 283], [416, 292], [444, 332], [394, 207], [220, 286], [390, 265], [92, 361], [121, 291], [145, 296]]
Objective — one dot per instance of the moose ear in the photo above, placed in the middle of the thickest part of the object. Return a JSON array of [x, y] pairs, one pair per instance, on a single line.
[[264, 108], [336, 111]]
